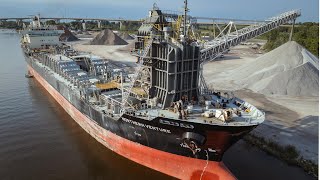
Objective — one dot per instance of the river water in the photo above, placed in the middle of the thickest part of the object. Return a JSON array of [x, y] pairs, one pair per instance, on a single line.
[[39, 140]]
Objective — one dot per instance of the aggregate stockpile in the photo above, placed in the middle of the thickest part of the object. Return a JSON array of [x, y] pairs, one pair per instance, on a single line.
[[288, 70], [67, 36], [128, 47], [107, 37], [125, 36]]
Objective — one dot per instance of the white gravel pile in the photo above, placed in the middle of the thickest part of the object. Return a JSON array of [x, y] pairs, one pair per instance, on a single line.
[[125, 36], [128, 47], [288, 70], [107, 37]]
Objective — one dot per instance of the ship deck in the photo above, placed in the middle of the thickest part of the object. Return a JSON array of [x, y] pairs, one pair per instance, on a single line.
[[252, 117], [241, 113]]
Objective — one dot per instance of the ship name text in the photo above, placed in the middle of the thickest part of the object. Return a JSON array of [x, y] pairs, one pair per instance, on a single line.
[[146, 126], [188, 126]]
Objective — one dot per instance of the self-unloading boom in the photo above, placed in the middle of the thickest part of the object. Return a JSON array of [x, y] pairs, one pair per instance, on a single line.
[[221, 44]]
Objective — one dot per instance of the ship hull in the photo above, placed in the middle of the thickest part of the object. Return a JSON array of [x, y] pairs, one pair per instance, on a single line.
[[174, 165], [160, 143]]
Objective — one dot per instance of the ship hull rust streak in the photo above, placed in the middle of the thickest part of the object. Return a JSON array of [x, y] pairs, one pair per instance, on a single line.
[[179, 166]]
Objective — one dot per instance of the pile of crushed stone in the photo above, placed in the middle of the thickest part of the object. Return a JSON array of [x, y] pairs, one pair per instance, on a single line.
[[288, 70], [125, 36], [128, 48], [107, 37], [67, 36]]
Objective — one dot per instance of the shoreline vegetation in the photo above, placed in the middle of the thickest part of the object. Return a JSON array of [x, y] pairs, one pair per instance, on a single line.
[[288, 153], [306, 34]]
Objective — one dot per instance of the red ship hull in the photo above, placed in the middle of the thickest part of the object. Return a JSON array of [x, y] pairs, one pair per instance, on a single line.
[[174, 165]]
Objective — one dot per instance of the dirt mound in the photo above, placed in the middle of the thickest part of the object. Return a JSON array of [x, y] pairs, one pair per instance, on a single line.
[[67, 35], [107, 37], [288, 70], [125, 36]]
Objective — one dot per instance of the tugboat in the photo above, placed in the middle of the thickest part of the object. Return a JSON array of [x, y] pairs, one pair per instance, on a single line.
[[163, 116]]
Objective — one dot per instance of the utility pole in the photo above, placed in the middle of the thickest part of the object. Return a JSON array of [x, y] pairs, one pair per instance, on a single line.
[[291, 33], [214, 29]]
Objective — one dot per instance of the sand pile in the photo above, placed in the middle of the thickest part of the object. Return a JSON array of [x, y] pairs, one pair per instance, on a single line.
[[67, 36], [125, 36], [107, 37], [288, 70]]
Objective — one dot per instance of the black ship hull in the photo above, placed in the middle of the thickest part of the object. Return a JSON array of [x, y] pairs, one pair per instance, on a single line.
[[180, 139]]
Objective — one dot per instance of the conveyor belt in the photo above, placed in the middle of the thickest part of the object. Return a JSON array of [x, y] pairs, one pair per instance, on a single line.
[[221, 44]]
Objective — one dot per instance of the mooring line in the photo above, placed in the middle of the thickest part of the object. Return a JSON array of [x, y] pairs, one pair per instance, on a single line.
[[205, 167]]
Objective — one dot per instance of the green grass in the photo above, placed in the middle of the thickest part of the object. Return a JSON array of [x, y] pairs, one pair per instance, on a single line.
[[288, 153]]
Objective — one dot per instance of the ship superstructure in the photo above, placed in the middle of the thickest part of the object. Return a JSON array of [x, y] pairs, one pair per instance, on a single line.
[[163, 116], [37, 36]]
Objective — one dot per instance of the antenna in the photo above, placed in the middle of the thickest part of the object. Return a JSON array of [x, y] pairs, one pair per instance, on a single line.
[[155, 6], [185, 18]]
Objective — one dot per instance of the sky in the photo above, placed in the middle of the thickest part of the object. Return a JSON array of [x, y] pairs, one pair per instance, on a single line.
[[137, 9]]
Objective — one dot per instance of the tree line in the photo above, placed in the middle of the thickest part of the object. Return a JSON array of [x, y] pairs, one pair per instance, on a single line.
[[306, 34]]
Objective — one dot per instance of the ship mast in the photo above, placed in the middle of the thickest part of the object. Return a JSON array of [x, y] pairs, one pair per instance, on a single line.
[[185, 19]]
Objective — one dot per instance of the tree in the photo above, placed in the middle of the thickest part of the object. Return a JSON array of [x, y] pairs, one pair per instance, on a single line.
[[51, 22], [306, 34]]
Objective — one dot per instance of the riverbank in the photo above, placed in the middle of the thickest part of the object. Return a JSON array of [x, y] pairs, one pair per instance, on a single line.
[[247, 161], [285, 125], [288, 154]]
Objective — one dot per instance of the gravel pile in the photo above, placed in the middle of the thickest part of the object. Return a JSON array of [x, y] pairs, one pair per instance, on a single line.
[[67, 36], [287, 70], [129, 47], [125, 36], [107, 37]]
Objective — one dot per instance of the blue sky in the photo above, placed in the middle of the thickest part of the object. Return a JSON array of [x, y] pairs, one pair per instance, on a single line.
[[135, 9]]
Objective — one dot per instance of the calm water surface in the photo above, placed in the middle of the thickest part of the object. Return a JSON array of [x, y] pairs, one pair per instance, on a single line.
[[39, 140]]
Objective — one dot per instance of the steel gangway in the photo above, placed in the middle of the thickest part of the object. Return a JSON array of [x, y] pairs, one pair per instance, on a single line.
[[226, 39]]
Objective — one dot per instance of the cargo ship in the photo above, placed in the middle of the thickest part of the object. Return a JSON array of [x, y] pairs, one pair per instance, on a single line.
[[163, 116]]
